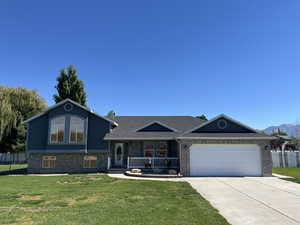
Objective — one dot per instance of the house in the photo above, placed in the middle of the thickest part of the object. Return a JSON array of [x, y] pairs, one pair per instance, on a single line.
[[284, 143], [70, 138]]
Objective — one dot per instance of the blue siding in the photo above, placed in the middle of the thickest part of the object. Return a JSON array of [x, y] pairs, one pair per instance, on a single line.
[[231, 128], [38, 133], [156, 127], [96, 128]]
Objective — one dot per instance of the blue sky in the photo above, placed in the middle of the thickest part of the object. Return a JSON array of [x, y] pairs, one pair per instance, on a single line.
[[166, 57]]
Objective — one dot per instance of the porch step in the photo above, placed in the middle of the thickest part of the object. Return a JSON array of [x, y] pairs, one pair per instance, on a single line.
[[117, 170]]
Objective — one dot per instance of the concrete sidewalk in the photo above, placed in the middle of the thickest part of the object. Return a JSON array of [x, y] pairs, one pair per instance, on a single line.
[[122, 176]]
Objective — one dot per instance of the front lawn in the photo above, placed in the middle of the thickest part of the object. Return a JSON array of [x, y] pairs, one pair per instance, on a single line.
[[7, 167], [292, 171], [99, 199]]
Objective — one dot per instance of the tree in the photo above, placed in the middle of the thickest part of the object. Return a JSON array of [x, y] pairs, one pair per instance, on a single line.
[[69, 86], [17, 105], [202, 117], [7, 116]]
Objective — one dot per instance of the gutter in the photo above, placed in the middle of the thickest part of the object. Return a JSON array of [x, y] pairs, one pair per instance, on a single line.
[[194, 138], [226, 138], [86, 135], [132, 139]]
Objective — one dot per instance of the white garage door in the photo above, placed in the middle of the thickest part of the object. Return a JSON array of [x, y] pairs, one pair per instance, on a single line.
[[225, 160]]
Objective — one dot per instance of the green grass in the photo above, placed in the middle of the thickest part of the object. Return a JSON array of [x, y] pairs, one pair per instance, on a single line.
[[292, 171], [13, 167], [99, 199]]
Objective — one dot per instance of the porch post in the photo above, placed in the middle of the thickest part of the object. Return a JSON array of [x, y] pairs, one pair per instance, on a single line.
[[108, 162], [153, 160], [179, 155]]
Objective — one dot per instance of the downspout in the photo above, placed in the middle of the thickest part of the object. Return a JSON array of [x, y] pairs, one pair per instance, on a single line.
[[86, 135], [108, 156], [109, 150], [179, 156], [27, 143]]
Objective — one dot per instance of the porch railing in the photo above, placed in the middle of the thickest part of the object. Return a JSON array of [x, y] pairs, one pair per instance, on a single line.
[[152, 162]]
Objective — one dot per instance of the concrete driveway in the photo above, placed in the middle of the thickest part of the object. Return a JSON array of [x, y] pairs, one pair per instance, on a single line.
[[252, 201]]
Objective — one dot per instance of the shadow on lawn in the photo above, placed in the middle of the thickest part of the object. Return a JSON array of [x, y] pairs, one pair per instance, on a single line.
[[14, 172]]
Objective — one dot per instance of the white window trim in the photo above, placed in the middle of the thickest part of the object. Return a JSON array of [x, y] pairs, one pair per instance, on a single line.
[[67, 130], [49, 130], [84, 131], [48, 159], [89, 163]]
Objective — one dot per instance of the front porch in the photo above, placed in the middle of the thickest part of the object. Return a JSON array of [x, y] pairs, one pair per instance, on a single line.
[[145, 155]]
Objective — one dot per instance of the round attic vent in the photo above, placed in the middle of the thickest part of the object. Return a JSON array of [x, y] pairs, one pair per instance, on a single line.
[[68, 107], [222, 124]]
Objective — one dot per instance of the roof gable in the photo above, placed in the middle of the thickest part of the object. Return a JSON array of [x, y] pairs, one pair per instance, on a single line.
[[156, 126], [64, 103], [222, 124]]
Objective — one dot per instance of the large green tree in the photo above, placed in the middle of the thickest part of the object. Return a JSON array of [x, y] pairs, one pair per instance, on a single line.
[[7, 116], [69, 86], [17, 105]]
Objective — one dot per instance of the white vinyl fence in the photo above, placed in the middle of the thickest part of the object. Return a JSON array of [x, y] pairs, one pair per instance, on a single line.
[[6, 158], [288, 159]]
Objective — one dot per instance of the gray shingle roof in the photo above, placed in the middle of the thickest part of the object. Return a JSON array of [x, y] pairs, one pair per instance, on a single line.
[[127, 126]]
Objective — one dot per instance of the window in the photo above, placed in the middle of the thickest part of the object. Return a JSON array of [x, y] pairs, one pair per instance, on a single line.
[[90, 162], [156, 149], [222, 124], [162, 150], [76, 129], [149, 149], [119, 153], [57, 130], [49, 162], [68, 107]]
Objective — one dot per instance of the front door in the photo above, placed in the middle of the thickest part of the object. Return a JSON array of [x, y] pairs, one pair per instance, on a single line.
[[119, 154]]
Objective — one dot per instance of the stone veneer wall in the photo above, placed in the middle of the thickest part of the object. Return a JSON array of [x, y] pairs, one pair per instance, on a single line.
[[66, 163], [266, 157]]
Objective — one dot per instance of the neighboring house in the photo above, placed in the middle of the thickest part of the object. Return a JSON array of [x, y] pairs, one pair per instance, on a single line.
[[68, 137], [284, 143]]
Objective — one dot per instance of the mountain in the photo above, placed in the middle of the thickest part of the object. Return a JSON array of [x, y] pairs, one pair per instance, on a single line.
[[290, 129]]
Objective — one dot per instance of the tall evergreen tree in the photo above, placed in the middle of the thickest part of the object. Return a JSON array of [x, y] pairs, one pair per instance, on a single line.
[[69, 86]]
